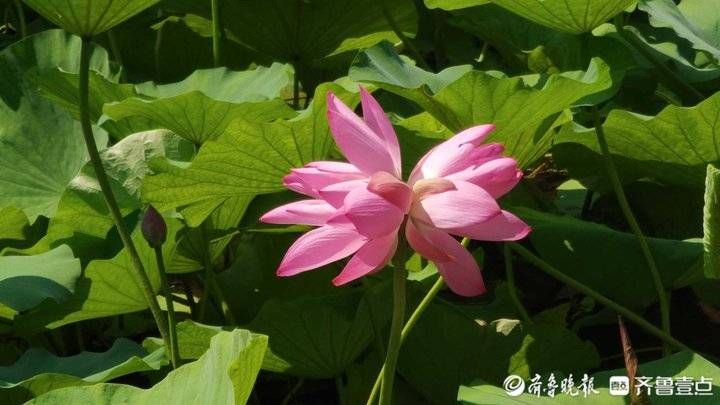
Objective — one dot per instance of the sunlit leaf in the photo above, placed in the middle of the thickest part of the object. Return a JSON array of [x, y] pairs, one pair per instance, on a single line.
[[524, 109], [248, 158], [108, 288], [26, 281], [711, 222], [695, 21], [672, 147], [574, 16], [39, 371], [229, 367], [88, 17], [454, 4], [35, 168]]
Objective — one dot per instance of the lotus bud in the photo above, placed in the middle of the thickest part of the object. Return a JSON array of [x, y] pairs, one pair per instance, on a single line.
[[154, 228]]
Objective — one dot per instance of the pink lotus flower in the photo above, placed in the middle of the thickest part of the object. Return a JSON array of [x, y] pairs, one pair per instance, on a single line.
[[360, 206]]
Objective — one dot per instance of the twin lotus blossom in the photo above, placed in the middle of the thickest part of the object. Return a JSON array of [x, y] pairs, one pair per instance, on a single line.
[[359, 207]]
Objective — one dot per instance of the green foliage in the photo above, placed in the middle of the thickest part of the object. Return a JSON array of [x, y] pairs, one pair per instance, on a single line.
[[34, 182], [611, 261], [677, 365], [574, 16], [672, 147], [87, 17], [26, 281], [693, 20], [711, 223], [228, 370], [249, 158], [203, 119], [38, 371]]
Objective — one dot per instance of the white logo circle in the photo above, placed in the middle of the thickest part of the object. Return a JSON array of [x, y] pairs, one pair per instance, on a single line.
[[514, 385]]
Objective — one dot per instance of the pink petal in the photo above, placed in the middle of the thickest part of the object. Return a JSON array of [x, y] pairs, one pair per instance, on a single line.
[[319, 247], [389, 187], [360, 144], [456, 153], [373, 256], [314, 176], [502, 227], [461, 272], [422, 245], [463, 206], [305, 212], [496, 176], [372, 215], [376, 119], [335, 194]]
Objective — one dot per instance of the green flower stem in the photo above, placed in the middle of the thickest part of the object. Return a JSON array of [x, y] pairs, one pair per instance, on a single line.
[[172, 322], [399, 281], [403, 38], [436, 287], [422, 306], [216, 33], [21, 18], [157, 46], [136, 263], [512, 289], [212, 287], [630, 217], [571, 282], [671, 78]]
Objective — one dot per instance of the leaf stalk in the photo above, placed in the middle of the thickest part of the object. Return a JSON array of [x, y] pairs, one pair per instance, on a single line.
[[136, 264]]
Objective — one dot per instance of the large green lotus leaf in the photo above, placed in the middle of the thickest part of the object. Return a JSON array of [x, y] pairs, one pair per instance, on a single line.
[[573, 16], [693, 66], [610, 261], [225, 374], [200, 247], [320, 336], [82, 206], [62, 88], [33, 182], [485, 341], [294, 32], [672, 147], [108, 287], [525, 109], [454, 4], [88, 17], [13, 223], [193, 339], [248, 158], [27, 281], [522, 43], [526, 45], [222, 84], [381, 64], [197, 108], [196, 117], [694, 20], [683, 364], [39, 371]]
